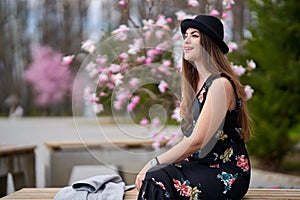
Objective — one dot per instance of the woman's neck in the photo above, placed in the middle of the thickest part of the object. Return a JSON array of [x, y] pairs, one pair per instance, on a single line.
[[202, 72]]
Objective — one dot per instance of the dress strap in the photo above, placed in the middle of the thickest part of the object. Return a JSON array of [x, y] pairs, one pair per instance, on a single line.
[[210, 79], [208, 82]]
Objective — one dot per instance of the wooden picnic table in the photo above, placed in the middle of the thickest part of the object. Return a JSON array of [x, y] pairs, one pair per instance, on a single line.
[[49, 193]]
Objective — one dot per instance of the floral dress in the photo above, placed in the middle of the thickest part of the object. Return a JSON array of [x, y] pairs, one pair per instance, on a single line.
[[220, 171]]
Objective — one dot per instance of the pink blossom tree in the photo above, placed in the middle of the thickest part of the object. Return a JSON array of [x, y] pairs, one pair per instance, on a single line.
[[49, 75], [150, 48]]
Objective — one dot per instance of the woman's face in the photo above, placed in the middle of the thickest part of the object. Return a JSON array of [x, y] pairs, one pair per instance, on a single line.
[[191, 45]]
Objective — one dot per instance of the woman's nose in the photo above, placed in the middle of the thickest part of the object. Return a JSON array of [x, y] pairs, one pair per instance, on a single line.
[[187, 39]]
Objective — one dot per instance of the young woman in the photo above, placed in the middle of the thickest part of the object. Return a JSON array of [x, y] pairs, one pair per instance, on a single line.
[[211, 162]]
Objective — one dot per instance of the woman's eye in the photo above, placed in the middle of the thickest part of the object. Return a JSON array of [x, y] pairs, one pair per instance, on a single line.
[[195, 36], [184, 36]]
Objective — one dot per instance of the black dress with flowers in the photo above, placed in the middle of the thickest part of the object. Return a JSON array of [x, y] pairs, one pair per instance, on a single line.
[[222, 172]]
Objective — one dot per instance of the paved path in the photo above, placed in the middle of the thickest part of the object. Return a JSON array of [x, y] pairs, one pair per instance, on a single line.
[[38, 130]]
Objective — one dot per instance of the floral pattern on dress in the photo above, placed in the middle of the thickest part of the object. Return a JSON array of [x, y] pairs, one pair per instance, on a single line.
[[242, 162], [184, 189], [221, 135], [160, 184], [214, 166], [227, 154], [227, 179], [201, 95]]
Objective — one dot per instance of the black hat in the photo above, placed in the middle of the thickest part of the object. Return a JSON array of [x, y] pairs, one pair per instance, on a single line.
[[208, 25]]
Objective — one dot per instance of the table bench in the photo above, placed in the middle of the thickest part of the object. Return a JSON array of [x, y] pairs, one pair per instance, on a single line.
[[49, 193]]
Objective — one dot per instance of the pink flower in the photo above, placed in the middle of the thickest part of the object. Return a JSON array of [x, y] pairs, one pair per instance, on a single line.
[[232, 46], [88, 46], [140, 59], [124, 66], [159, 34], [249, 92], [183, 189], [102, 94], [50, 79], [114, 68], [131, 106], [135, 99], [136, 46], [101, 60], [148, 61], [134, 82], [117, 78], [123, 56], [121, 32], [167, 63], [98, 108], [156, 145], [121, 96], [169, 20], [178, 67], [225, 15], [103, 78], [193, 3], [164, 69], [176, 114], [214, 13], [242, 162], [87, 92], [151, 53], [90, 66], [239, 70], [156, 122], [93, 98], [161, 22], [162, 86], [67, 60], [251, 64], [123, 3], [144, 122]]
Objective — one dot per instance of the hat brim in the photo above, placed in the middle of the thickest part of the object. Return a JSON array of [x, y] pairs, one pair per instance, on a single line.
[[190, 23]]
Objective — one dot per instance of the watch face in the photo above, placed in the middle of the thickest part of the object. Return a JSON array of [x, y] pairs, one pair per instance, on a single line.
[[153, 162]]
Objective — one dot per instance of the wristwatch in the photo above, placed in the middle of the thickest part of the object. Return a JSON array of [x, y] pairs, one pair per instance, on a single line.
[[154, 162]]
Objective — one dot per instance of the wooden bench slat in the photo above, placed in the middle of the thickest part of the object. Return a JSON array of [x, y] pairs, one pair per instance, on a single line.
[[49, 193]]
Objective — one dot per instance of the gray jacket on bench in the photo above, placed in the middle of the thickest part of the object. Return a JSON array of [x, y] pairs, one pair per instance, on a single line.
[[95, 188]]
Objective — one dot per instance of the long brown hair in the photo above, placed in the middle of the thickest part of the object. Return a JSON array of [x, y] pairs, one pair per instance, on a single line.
[[216, 62]]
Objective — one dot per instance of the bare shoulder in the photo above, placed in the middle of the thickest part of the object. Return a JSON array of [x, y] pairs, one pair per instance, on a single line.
[[223, 83]]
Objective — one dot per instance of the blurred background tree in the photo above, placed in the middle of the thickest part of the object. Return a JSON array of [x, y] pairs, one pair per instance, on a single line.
[[275, 105]]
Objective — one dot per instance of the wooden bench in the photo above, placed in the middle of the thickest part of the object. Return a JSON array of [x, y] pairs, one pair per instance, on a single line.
[[49, 193]]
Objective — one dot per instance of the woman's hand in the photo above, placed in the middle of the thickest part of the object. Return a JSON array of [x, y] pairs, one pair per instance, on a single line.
[[141, 176]]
